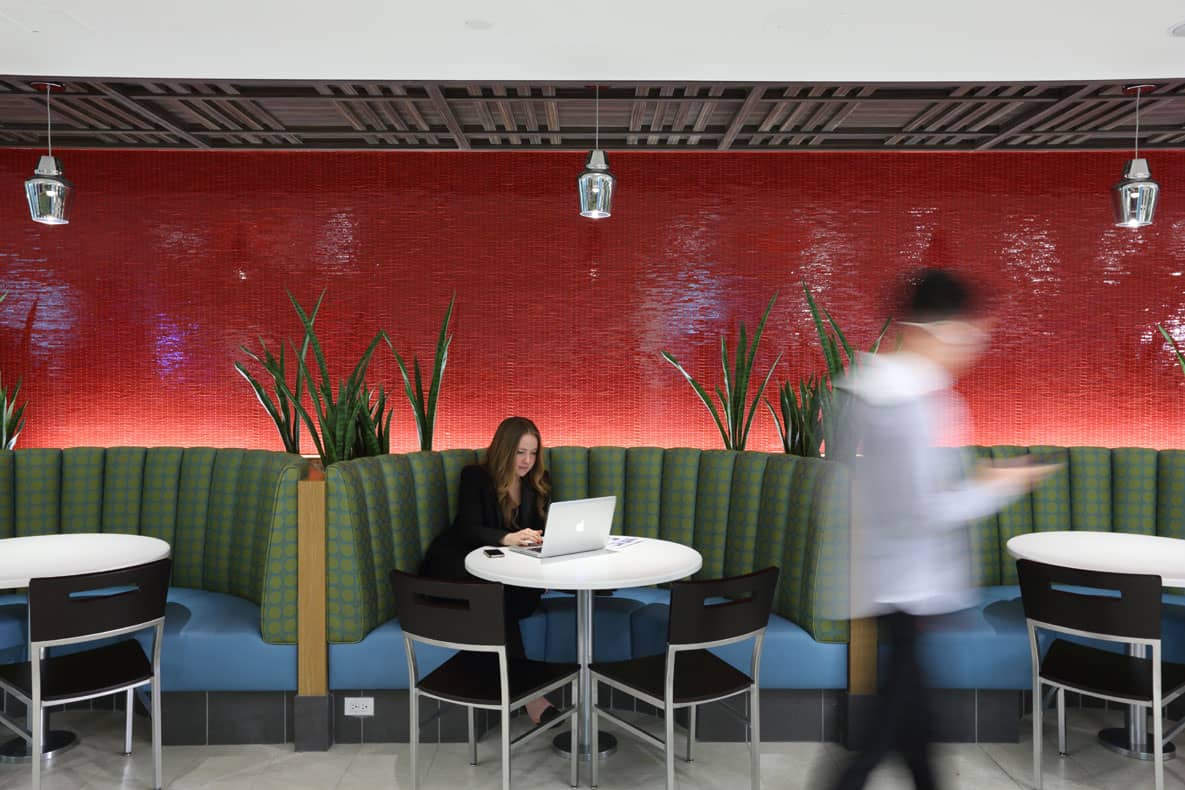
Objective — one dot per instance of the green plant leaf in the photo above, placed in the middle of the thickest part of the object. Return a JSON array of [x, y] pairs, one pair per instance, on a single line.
[[703, 396]]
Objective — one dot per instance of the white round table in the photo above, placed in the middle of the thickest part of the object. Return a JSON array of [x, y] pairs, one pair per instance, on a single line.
[[648, 561], [1112, 552], [67, 554]]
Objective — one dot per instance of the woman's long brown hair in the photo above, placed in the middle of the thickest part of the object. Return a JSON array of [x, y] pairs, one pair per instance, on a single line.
[[500, 464]]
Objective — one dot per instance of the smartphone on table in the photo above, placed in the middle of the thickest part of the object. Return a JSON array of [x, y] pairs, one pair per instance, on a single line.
[[492, 552]]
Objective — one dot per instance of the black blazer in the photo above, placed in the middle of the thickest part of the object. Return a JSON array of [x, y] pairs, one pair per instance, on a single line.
[[479, 523]]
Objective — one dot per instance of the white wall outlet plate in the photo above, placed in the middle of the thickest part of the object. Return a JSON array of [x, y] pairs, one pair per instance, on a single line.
[[359, 706]]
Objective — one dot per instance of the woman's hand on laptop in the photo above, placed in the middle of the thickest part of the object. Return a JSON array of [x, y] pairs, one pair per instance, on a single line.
[[524, 537]]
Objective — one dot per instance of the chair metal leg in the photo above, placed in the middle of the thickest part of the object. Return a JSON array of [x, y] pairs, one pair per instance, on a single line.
[[755, 738], [413, 738], [573, 757], [595, 746], [1061, 722], [1158, 740], [127, 725], [472, 739], [505, 747], [690, 733], [36, 721], [669, 743], [1038, 705], [157, 757]]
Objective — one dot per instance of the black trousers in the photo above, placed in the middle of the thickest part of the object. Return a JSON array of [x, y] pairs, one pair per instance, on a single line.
[[902, 724], [519, 602]]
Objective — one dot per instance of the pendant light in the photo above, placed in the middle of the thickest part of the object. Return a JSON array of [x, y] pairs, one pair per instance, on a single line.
[[48, 191], [1133, 199], [596, 183]]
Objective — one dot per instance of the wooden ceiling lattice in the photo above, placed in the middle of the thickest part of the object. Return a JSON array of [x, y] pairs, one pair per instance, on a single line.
[[370, 115]]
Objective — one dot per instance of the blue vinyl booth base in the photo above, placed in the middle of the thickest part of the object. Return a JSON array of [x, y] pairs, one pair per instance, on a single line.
[[629, 623], [14, 628], [987, 645], [213, 643]]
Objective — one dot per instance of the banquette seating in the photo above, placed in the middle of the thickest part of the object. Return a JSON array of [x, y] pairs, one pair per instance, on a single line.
[[230, 517], [742, 510]]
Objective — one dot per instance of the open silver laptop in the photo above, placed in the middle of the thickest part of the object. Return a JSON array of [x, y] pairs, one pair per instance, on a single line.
[[574, 526]]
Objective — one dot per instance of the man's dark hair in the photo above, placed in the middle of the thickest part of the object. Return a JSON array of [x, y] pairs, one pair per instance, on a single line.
[[938, 295]]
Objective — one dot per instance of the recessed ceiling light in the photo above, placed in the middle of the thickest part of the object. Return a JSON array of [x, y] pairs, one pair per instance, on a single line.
[[1178, 30]]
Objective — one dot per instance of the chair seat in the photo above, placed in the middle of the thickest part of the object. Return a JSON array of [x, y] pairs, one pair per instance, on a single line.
[[699, 676], [1096, 671], [95, 672], [471, 678]]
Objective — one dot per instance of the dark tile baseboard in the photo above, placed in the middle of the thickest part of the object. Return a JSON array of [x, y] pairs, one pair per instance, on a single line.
[[955, 716]]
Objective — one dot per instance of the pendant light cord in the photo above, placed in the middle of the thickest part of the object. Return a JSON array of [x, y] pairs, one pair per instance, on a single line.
[[1138, 90], [48, 120], [597, 123]]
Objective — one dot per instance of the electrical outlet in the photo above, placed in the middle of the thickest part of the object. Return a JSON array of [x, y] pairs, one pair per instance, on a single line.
[[359, 706]]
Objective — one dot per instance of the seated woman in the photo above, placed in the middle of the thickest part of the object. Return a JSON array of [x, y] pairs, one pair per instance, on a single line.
[[503, 502]]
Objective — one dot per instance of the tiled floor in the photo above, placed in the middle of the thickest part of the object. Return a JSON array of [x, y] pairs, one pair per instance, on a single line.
[[95, 763]]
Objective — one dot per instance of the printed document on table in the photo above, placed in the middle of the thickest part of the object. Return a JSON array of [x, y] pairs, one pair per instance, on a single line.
[[621, 541]]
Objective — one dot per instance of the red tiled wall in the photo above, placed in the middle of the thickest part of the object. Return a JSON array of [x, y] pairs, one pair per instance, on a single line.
[[125, 324]]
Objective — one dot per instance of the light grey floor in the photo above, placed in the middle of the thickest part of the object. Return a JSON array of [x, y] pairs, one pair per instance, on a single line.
[[96, 763]]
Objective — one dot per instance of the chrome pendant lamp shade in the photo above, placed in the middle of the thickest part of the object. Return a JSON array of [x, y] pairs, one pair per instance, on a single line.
[[48, 191], [596, 183], [1133, 199]]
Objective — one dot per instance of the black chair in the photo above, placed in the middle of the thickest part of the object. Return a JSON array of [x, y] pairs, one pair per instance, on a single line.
[[467, 616], [69, 610], [688, 674], [1115, 607]]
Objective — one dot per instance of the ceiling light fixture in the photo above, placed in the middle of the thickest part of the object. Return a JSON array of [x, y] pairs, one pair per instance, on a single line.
[[596, 182], [48, 191], [1133, 199]]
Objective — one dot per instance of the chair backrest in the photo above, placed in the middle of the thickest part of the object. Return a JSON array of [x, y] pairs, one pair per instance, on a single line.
[[87, 605], [695, 620], [450, 612], [1123, 606]]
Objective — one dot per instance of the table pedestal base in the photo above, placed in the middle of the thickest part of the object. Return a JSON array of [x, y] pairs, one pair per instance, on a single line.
[[1117, 740], [607, 744], [16, 750]]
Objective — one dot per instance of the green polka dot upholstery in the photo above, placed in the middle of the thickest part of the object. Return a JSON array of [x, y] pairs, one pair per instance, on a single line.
[[680, 473], [712, 494], [229, 515], [744, 515], [642, 506], [568, 468], [7, 494], [984, 532], [1133, 475], [1170, 494], [85, 493], [453, 461], [1090, 486], [606, 477], [38, 491], [1051, 500], [742, 511]]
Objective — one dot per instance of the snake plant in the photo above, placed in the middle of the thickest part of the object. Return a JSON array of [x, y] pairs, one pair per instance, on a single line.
[[424, 406], [735, 416]]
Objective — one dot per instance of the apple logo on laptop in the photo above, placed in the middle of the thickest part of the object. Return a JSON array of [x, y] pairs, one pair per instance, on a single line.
[[580, 526]]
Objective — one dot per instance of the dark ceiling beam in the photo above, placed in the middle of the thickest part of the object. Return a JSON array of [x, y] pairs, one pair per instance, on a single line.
[[738, 120], [148, 115], [446, 114], [1031, 120]]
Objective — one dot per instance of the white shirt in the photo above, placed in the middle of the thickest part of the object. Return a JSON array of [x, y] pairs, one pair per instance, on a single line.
[[912, 498]]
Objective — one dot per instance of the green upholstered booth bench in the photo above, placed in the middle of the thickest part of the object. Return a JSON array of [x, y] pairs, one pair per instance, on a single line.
[[229, 516], [741, 510]]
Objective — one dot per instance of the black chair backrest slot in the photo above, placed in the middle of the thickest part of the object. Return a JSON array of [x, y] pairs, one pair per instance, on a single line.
[[450, 611], [68, 607], [696, 620], [1124, 605]]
